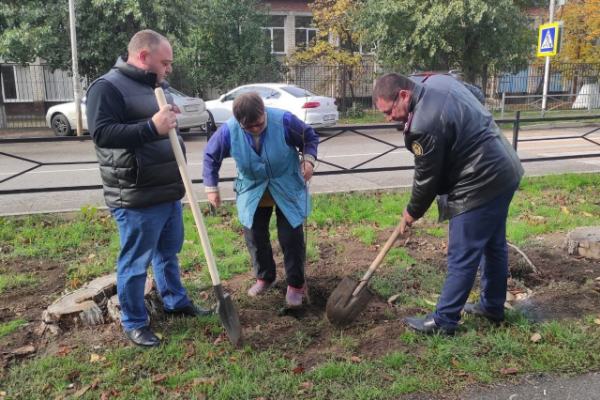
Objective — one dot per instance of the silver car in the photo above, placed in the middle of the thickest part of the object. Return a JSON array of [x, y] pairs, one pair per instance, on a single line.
[[190, 112]]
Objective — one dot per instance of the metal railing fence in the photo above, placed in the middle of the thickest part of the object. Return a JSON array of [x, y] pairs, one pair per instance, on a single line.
[[326, 134]]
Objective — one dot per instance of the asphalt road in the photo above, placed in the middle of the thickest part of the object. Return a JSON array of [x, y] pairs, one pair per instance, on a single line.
[[346, 151]]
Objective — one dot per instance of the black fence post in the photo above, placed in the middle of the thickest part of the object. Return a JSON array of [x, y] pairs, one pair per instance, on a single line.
[[516, 129]]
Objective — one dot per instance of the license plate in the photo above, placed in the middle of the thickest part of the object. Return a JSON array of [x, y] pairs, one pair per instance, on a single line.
[[329, 117], [192, 108]]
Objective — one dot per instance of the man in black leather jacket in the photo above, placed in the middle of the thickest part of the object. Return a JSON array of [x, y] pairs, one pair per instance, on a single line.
[[141, 181], [462, 158]]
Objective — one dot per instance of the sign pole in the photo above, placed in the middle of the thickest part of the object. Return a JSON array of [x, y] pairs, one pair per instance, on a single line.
[[547, 69]]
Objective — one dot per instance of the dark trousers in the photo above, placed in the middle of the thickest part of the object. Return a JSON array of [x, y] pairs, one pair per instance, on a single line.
[[477, 237], [258, 241]]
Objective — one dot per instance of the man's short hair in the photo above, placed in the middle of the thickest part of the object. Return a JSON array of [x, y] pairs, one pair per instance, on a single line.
[[389, 85], [248, 108], [145, 40]]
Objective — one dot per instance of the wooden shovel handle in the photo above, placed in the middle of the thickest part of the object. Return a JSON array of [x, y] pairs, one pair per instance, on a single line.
[[386, 249], [210, 258]]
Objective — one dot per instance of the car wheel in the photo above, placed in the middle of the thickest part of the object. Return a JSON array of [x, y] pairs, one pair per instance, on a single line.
[[61, 126]]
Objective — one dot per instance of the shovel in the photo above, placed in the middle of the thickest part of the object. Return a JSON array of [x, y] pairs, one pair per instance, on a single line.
[[351, 297], [225, 307]]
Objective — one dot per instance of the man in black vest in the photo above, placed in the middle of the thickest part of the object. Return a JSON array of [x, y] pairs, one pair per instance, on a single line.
[[141, 180]]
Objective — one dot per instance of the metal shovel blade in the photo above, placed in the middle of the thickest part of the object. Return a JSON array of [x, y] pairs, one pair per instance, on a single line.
[[343, 308], [229, 317]]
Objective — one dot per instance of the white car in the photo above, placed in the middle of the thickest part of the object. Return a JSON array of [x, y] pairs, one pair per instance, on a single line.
[[316, 111], [190, 112]]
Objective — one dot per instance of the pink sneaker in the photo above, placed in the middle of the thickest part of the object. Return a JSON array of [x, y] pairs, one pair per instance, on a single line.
[[260, 287], [293, 298]]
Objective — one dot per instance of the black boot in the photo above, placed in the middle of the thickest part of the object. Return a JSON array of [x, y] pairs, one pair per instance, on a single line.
[[191, 310], [477, 309], [143, 337], [427, 326]]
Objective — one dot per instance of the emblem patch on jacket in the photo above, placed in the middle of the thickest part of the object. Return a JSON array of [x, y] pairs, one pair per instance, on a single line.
[[417, 149]]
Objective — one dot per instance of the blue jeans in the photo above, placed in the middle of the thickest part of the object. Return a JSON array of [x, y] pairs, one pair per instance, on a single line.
[[476, 237], [147, 234]]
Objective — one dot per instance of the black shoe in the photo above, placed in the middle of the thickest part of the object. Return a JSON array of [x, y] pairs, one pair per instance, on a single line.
[[191, 310], [427, 326], [143, 337], [477, 309]]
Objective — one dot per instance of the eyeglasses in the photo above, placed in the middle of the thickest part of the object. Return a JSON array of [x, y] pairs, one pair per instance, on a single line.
[[391, 110], [252, 126]]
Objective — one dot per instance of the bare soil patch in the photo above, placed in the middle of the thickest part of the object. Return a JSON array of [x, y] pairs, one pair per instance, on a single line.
[[305, 335]]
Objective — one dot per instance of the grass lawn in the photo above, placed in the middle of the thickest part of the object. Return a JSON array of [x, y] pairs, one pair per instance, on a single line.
[[196, 362]]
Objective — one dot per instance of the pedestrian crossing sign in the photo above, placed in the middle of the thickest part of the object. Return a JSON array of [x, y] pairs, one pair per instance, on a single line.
[[549, 39]]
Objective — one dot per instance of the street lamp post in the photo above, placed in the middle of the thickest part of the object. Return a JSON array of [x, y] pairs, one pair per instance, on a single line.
[[76, 81]]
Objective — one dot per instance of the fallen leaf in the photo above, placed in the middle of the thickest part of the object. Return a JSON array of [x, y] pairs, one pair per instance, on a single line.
[[82, 391], [298, 370], [204, 381], [307, 385], [597, 321], [355, 359], [454, 362], [219, 340], [565, 210], [94, 358], [159, 335], [222, 351], [160, 378], [536, 337], [114, 392], [508, 371], [203, 295], [387, 378], [95, 384], [74, 374], [232, 358], [587, 214], [431, 303], [103, 396], [392, 299]]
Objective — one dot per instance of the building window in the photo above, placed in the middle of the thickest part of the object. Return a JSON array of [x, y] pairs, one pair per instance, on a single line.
[[58, 85], [305, 33], [16, 83], [276, 33], [361, 48]]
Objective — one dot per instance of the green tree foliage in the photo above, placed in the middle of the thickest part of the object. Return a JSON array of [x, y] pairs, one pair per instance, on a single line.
[[228, 48], [40, 28], [467, 34]]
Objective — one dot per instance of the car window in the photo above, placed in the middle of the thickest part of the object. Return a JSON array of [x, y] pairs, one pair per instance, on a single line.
[[266, 93], [417, 78], [176, 92], [231, 96], [297, 91]]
